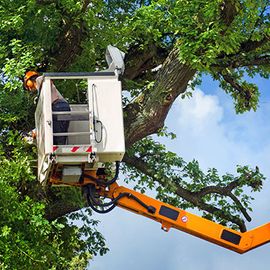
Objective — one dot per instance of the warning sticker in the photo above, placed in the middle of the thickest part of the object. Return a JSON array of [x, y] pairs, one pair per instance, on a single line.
[[184, 219]]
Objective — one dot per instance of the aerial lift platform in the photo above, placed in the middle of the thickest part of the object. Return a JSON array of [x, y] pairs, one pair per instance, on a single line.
[[96, 137], [96, 130]]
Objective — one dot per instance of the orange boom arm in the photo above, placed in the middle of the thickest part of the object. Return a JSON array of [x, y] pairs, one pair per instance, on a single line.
[[172, 217]]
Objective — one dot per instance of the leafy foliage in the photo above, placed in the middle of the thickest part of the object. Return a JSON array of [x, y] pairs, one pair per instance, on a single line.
[[174, 181], [226, 39], [28, 239]]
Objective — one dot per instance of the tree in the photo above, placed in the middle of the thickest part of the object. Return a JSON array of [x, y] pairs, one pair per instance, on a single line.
[[169, 44]]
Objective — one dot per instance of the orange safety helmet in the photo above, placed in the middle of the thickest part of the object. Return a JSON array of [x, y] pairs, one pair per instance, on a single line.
[[28, 82]]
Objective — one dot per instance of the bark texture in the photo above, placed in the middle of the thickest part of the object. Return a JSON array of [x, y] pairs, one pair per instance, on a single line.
[[146, 115]]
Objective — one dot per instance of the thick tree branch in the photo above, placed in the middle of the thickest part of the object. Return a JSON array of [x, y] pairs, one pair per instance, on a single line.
[[246, 47], [263, 60], [230, 80], [243, 92], [68, 45], [196, 198], [140, 60], [60, 208], [147, 113], [229, 11], [225, 191], [252, 45]]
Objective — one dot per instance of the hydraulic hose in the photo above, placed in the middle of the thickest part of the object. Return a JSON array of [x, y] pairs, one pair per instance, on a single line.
[[91, 191], [101, 181]]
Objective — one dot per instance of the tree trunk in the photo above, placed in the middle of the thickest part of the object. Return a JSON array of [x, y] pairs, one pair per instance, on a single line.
[[146, 115]]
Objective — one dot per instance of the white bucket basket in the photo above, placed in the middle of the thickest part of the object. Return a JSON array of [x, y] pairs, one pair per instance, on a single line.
[[96, 130]]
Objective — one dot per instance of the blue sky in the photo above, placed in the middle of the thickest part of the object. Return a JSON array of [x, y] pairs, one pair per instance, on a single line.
[[208, 130]]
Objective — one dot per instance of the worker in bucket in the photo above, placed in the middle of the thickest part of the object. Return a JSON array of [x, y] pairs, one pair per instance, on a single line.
[[33, 82]]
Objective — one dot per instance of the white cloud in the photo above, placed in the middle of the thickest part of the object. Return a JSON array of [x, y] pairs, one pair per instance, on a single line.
[[199, 113], [208, 130]]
